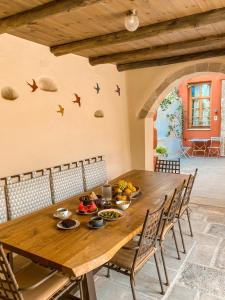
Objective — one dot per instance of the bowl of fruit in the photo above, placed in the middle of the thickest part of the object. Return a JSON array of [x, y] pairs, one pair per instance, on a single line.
[[125, 190]]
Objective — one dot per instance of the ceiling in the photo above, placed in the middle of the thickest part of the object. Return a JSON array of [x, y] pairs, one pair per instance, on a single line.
[[74, 24]]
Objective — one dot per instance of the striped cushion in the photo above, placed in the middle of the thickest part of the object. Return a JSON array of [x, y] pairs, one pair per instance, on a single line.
[[27, 196], [67, 183], [95, 174], [3, 210]]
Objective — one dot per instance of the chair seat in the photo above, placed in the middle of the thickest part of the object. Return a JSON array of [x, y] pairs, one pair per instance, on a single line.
[[124, 258], [32, 274], [182, 211], [163, 231], [214, 147]]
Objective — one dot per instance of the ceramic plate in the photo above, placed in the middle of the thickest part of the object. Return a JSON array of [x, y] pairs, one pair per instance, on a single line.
[[101, 214], [56, 215], [96, 227], [91, 213], [60, 226]]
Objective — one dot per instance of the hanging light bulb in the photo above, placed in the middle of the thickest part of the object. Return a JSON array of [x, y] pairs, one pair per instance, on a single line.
[[132, 20]]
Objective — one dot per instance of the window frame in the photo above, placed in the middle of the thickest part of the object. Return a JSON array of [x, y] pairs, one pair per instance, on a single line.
[[190, 105]]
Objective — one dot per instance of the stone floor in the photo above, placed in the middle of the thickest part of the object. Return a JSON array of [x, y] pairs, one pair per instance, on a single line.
[[200, 275], [209, 188]]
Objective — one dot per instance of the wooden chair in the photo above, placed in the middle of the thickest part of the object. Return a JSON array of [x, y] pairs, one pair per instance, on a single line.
[[170, 208], [184, 207], [32, 282], [132, 257], [167, 166], [214, 147]]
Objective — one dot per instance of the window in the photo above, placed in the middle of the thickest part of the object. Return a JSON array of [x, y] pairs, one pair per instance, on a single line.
[[199, 109]]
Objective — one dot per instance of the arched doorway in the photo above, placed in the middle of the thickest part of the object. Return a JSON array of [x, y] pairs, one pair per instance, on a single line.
[[156, 97]]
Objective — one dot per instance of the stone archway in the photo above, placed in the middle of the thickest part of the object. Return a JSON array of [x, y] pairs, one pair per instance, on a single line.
[[171, 79], [157, 96]]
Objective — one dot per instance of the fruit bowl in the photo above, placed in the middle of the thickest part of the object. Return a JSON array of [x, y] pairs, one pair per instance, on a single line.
[[125, 190]]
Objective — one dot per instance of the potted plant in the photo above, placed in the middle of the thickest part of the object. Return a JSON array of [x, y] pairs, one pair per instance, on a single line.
[[161, 151]]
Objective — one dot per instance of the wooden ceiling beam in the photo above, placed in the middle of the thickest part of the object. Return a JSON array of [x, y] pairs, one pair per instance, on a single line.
[[42, 11], [152, 30], [146, 53], [170, 60]]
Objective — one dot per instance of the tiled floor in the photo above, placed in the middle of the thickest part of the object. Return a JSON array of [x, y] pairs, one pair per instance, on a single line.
[[200, 275]]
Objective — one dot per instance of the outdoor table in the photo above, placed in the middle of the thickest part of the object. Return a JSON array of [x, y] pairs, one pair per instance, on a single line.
[[81, 251], [199, 145]]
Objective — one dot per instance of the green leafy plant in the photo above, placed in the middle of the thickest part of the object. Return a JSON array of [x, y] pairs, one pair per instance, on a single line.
[[161, 150]]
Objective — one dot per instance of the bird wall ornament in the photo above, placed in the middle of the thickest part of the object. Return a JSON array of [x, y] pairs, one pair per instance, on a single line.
[[97, 88], [77, 100], [33, 85], [117, 90], [61, 110]]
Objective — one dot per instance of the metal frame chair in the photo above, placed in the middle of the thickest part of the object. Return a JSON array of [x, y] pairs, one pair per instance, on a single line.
[[183, 150], [184, 207], [215, 146], [132, 257], [10, 289], [167, 166], [171, 206]]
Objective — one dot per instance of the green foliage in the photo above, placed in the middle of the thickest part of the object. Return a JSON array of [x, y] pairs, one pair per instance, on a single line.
[[161, 150], [175, 119]]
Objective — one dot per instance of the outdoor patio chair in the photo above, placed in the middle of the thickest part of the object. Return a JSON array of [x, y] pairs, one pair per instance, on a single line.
[[215, 146], [133, 256], [66, 183], [183, 150], [184, 207], [171, 206], [167, 166], [32, 282]]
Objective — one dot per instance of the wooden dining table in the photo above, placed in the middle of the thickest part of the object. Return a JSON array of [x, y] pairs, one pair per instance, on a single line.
[[83, 250]]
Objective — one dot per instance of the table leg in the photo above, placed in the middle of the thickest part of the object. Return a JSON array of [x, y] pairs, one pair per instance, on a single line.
[[88, 287]]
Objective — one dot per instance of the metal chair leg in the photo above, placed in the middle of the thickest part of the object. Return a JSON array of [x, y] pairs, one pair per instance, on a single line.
[[159, 275], [175, 240], [81, 290], [108, 272], [181, 235], [189, 222], [132, 287], [164, 266]]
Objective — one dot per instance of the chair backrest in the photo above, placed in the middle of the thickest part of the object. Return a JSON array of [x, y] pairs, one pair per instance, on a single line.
[[3, 208], [167, 166], [215, 141], [171, 205], [95, 174], [28, 195], [9, 289], [188, 189], [149, 235], [67, 183]]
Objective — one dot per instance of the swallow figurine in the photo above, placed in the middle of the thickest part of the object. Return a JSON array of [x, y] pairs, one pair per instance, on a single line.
[[97, 88], [77, 100], [117, 90], [33, 85], [61, 110]]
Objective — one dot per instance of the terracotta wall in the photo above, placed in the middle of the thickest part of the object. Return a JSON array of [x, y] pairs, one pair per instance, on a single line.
[[33, 135], [214, 130]]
